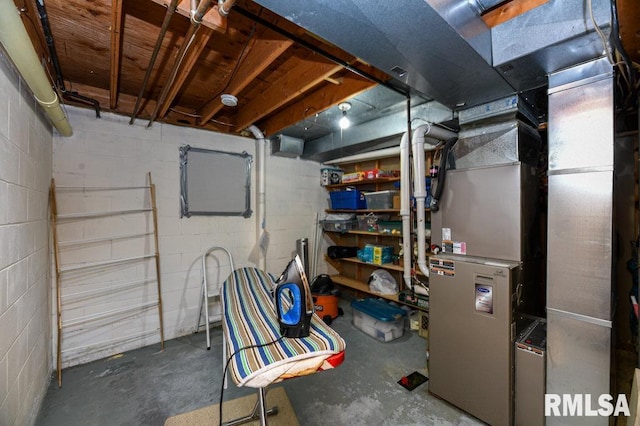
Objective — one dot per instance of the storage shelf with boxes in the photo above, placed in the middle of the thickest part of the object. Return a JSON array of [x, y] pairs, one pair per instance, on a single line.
[[370, 191]]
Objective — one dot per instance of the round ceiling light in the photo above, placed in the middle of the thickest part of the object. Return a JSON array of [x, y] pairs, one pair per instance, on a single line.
[[229, 100]]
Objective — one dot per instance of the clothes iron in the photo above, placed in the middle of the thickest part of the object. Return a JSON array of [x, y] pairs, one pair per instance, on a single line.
[[293, 301]]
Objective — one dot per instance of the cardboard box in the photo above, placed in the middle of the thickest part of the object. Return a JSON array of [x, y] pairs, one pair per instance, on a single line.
[[396, 202], [352, 177]]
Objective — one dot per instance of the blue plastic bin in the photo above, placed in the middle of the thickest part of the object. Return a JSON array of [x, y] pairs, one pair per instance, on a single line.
[[348, 199]]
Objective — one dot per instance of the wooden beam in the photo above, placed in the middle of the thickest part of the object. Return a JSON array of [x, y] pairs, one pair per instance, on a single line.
[[629, 17], [116, 42], [509, 11], [308, 73], [261, 52], [201, 38], [212, 19], [320, 100]]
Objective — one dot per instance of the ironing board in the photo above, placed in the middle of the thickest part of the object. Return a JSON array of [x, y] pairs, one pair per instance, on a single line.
[[249, 318]]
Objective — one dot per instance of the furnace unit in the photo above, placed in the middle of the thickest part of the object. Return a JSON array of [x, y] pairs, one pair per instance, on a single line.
[[486, 274]]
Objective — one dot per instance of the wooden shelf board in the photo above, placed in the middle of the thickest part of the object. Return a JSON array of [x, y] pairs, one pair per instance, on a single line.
[[360, 286], [362, 211], [363, 182], [384, 265], [374, 234]]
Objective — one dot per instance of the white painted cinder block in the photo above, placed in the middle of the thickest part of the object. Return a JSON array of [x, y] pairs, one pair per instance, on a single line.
[[109, 152], [25, 173]]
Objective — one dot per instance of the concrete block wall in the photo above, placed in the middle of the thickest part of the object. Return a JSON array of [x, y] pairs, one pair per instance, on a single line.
[[25, 172], [109, 152]]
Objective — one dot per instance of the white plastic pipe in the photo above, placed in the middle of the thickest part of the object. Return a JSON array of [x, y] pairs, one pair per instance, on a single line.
[[15, 40], [262, 179], [422, 133], [405, 208], [224, 7]]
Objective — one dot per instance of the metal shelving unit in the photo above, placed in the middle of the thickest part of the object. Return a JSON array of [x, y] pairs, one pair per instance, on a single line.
[[126, 307]]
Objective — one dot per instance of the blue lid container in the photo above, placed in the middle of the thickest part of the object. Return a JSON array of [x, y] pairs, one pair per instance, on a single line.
[[379, 309]]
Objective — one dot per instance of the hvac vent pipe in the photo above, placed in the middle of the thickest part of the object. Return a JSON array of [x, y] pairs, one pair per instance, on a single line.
[[262, 236], [14, 38], [420, 135]]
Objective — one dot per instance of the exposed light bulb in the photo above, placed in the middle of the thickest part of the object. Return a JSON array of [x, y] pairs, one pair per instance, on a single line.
[[344, 121]]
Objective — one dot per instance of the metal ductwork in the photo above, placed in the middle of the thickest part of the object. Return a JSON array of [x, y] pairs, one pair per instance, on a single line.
[[496, 133], [286, 146], [410, 41], [380, 133], [443, 49]]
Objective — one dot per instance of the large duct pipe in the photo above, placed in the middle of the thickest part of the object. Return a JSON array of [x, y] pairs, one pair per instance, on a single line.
[[15, 40], [420, 135], [261, 232]]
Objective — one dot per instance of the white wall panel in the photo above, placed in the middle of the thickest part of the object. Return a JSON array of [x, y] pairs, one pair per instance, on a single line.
[[25, 172], [110, 152]]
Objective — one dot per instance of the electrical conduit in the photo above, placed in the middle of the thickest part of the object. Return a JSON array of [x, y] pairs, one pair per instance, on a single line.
[[16, 42], [423, 132]]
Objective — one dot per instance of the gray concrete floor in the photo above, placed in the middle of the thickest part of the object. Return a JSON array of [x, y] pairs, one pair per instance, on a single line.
[[145, 386]]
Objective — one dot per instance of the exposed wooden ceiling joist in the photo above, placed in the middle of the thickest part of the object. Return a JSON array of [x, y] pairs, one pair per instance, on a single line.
[[201, 38], [510, 10], [263, 49], [307, 73]]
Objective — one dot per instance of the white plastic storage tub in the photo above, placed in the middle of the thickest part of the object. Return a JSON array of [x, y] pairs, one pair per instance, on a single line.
[[378, 319], [380, 200]]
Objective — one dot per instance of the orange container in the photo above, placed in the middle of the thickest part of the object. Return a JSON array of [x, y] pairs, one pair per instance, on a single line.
[[325, 305]]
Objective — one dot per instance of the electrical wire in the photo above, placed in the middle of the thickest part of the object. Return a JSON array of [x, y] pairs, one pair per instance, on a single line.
[[241, 58], [188, 114], [603, 38], [628, 73], [226, 366]]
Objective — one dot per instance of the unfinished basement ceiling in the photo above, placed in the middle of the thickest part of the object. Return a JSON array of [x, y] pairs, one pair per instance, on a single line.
[[281, 60]]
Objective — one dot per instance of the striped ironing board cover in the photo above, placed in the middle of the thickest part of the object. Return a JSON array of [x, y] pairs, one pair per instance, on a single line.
[[249, 318]]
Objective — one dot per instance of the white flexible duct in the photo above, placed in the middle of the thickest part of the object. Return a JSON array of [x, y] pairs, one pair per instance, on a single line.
[[262, 179], [417, 144], [405, 208], [15, 40]]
